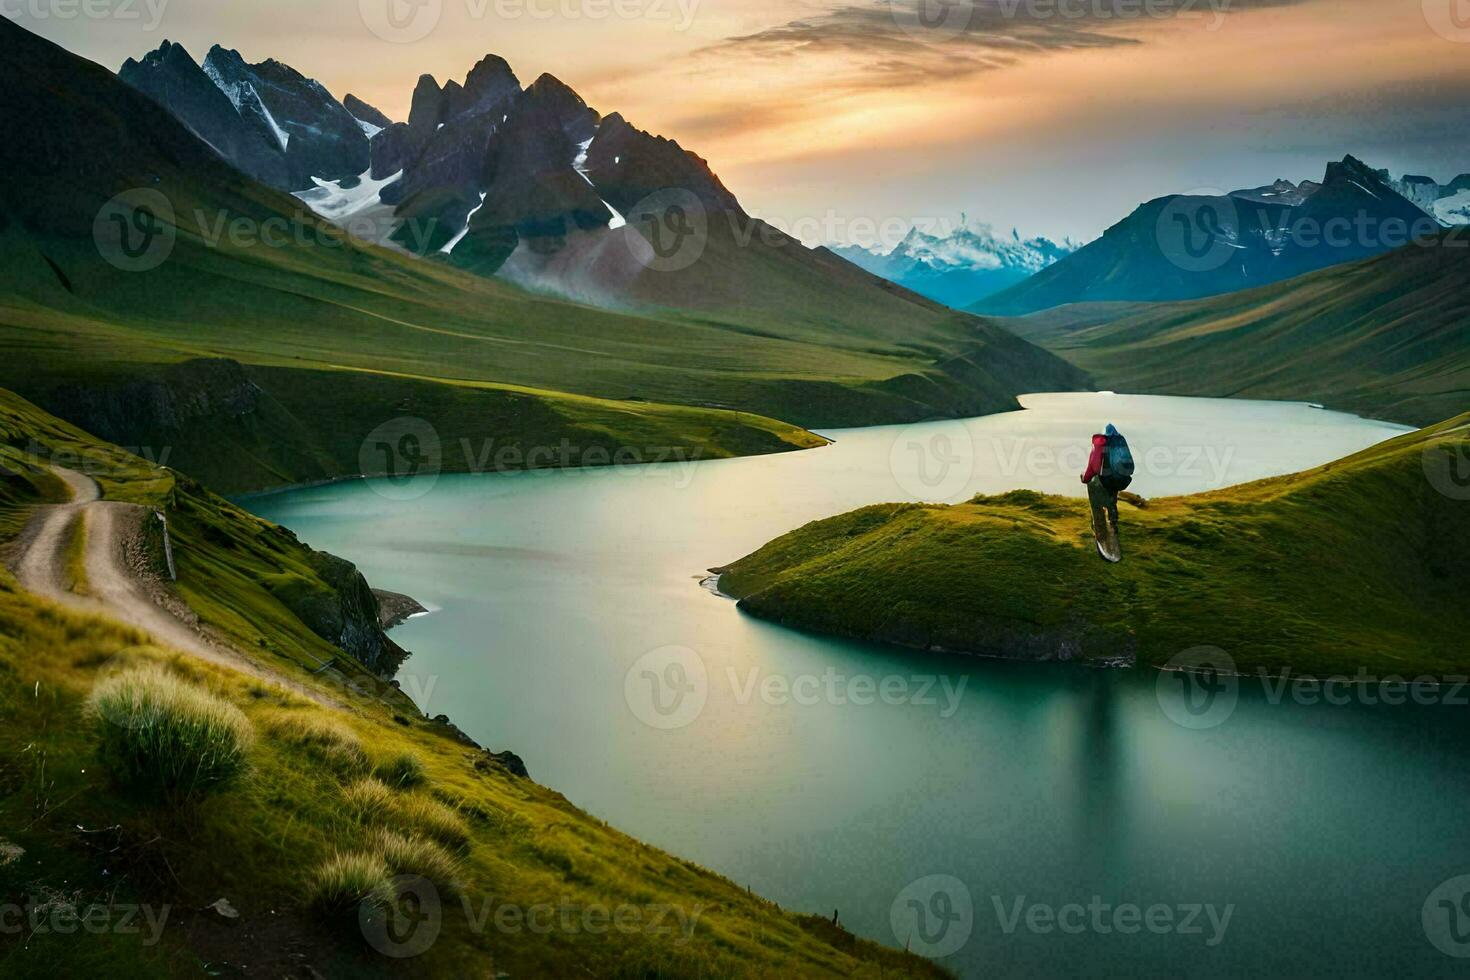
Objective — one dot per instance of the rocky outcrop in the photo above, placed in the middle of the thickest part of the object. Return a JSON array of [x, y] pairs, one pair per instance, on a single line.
[[395, 608], [506, 761], [363, 112], [346, 614]]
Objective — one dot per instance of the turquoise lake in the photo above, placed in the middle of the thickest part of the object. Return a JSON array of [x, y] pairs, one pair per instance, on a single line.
[[1008, 818]]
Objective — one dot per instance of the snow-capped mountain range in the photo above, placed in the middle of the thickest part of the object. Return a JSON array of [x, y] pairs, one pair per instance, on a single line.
[[1191, 245], [532, 184], [1450, 203], [958, 265], [524, 182], [269, 120]]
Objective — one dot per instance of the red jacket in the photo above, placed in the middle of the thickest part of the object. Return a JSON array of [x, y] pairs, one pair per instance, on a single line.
[[1095, 461]]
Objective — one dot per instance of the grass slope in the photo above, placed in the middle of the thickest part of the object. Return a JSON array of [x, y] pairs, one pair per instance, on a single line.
[[317, 786], [1386, 337], [378, 333], [1358, 563]]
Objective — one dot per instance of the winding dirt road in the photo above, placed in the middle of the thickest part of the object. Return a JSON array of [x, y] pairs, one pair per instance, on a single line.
[[112, 587]]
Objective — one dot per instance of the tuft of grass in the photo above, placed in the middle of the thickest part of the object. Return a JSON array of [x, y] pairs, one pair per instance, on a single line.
[[368, 799], [434, 819], [346, 881], [327, 741], [413, 854], [403, 771], [372, 802], [167, 738]]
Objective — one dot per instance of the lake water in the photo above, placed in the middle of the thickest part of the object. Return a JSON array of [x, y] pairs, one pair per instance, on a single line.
[[940, 801]]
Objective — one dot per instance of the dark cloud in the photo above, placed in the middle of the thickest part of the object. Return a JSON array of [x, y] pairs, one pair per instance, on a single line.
[[899, 42]]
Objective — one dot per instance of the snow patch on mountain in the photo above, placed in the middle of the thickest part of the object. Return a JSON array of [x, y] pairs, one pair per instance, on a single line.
[[959, 264], [1454, 210], [579, 162], [340, 204], [449, 245], [617, 217]]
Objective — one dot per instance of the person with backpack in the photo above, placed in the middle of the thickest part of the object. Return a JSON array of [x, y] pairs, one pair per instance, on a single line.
[[1109, 471]]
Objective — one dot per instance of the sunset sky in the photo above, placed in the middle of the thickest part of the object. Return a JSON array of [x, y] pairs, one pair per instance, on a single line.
[[838, 119]]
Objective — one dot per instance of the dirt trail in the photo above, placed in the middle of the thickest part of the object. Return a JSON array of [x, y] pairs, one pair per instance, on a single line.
[[112, 587], [42, 564]]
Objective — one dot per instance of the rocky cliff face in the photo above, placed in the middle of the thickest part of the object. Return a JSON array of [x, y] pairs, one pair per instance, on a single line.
[[269, 120], [171, 77], [347, 615], [317, 136], [134, 412], [374, 119]]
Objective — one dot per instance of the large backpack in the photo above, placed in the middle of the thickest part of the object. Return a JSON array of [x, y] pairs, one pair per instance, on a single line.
[[1117, 467]]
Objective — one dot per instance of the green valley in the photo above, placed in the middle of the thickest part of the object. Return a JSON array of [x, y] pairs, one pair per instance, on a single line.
[[335, 336], [1385, 337]]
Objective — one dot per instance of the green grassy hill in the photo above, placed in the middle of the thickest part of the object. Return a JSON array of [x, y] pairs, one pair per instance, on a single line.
[[363, 775], [1356, 564], [1388, 337], [337, 337]]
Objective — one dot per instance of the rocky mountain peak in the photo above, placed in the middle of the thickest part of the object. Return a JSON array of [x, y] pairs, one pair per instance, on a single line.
[[492, 74], [427, 107], [365, 112]]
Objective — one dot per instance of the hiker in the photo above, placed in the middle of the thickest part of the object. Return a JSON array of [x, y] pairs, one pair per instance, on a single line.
[[1109, 471]]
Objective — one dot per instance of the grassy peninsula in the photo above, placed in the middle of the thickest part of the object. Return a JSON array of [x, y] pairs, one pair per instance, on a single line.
[[1355, 564]]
